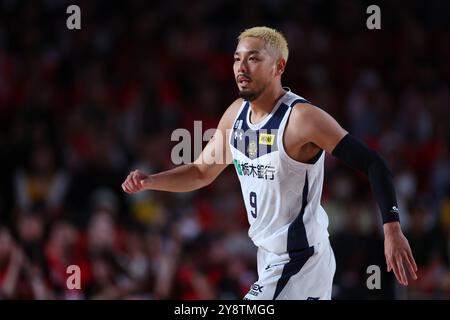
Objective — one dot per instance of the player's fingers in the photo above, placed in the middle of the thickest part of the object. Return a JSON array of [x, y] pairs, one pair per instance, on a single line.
[[388, 265], [409, 260], [124, 184], [401, 269], [135, 178], [130, 185], [394, 268], [124, 187], [130, 179], [132, 182]]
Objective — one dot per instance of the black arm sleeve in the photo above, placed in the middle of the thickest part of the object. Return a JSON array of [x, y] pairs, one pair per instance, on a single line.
[[358, 156]]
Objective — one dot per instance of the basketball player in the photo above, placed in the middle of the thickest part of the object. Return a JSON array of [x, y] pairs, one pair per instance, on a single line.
[[277, 141]]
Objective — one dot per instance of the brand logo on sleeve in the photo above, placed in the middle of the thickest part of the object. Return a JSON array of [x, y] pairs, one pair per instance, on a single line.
[[394, 209]]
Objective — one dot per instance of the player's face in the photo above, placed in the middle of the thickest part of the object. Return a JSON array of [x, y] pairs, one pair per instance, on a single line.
[[254, 67]]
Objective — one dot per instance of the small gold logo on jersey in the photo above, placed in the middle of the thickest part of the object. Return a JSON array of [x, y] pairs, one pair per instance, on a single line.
[[252, 149], [267, 139]]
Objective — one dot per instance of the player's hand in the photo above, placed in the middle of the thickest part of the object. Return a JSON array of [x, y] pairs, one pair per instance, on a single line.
[[136, 181], [398, 253]]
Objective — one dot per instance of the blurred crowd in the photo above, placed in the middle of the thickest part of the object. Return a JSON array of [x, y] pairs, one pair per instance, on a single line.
[[79, 109]]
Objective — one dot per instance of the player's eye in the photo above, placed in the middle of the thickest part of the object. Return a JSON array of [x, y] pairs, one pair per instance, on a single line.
[[236, 59]]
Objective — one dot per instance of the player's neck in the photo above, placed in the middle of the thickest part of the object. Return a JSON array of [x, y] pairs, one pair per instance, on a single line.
[[265, 103]]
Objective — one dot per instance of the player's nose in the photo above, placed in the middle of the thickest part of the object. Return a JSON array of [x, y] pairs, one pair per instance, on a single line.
[[242, 67]]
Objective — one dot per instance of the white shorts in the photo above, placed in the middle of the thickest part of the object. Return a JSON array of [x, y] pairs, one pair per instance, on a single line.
[[302, 275]]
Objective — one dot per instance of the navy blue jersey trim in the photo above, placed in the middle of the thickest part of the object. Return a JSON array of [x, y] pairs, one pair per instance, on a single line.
[[277, 117], [297, 245], [243, 116], [299, 101]]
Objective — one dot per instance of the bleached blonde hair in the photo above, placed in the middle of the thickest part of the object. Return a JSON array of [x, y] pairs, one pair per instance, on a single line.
[[274, 39]]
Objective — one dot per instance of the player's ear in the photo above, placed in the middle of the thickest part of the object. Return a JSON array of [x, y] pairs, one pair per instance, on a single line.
[[280, 65]]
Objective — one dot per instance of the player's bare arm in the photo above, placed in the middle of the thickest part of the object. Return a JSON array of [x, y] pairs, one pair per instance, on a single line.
[[321, 131], [196, 175]]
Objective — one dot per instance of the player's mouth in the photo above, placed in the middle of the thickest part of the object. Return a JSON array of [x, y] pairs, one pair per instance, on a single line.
[[243, 81]]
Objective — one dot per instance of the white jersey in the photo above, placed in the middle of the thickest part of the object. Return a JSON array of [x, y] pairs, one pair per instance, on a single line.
[[282, 196]]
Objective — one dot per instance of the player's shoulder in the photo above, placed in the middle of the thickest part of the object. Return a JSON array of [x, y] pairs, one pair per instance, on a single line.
[[236, 105], [231, 113], [308, 117], [233, 109], [303, 112]]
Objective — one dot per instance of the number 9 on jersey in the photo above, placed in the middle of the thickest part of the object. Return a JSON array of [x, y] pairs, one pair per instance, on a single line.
[[254, 212]]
